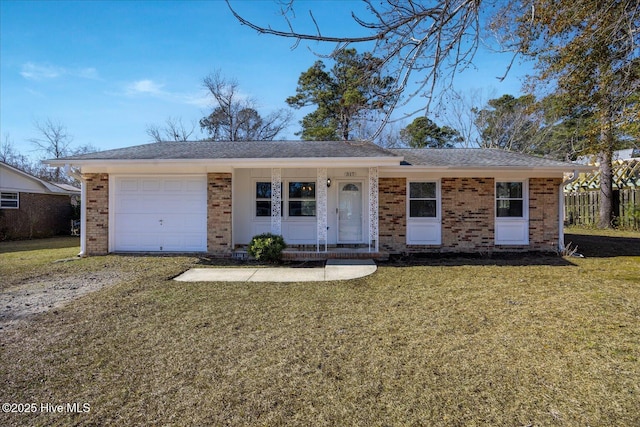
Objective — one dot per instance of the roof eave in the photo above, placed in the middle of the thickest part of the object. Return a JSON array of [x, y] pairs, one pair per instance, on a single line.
[[238, 162], [539, 169]]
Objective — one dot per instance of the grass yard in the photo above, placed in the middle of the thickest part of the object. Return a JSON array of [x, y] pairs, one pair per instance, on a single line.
[[456, 342]]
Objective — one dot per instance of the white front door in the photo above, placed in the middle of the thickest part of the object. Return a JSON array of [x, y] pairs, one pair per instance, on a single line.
[[350, 212]]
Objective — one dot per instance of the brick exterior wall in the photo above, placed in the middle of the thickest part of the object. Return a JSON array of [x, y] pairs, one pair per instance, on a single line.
[[468, 218], [219, 217], [543, 213], [97, 208], [38, 215], [468, 214], [392, 214]]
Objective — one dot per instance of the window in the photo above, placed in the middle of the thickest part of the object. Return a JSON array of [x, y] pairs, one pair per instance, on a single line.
[[509, 200], [423, 200], [302, 199], [9, 200], [263, 199]]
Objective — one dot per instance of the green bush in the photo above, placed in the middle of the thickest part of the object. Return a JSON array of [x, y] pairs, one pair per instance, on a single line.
[[267, 247]]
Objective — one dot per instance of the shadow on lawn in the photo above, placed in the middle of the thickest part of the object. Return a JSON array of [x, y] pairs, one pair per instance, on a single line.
[[496, 259], [603, 246], [61, 242]]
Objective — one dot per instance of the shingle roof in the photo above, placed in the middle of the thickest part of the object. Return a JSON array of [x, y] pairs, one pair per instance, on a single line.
[[455, 158], [474, 158], [239, 150]]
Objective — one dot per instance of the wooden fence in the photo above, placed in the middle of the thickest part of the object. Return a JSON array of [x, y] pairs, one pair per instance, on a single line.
[[582, 197], [581, 207]]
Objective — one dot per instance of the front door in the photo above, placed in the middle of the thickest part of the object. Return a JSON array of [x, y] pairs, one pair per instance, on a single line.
[[350, 212]]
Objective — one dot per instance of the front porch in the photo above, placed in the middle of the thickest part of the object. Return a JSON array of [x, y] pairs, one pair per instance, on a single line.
[[309, 253], [317, 210]]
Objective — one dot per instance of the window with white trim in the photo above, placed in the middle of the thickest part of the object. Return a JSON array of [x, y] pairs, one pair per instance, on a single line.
[[510, 200], [9, 200], [423, 200], [263, 199], [302, 199]]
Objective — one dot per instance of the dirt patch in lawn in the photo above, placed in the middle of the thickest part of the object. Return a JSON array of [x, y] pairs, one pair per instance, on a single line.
[[40, 294]]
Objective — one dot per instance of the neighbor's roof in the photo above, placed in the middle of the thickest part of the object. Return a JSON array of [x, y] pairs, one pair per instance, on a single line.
[[463, 158], [239, 150], [47, 187]]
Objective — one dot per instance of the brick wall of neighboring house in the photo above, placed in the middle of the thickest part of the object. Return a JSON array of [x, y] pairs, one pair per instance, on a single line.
[[543, 213], [468, 214], [219, 219], [392, 211], [38, 215], [97, 209]]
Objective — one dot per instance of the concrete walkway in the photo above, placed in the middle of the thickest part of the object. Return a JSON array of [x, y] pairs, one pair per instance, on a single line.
[[334, 269]]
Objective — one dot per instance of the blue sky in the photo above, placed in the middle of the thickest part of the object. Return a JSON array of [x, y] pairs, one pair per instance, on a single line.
[[107, 69]]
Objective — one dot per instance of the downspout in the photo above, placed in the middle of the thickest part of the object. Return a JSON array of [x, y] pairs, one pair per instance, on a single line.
[[561, 209], [83, 213], [83, 219]]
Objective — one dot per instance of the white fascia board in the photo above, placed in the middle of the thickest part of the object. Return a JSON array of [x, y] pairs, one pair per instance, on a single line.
[[455, 172]]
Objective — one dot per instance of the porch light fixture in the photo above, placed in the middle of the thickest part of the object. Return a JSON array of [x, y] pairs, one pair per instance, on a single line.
[[328, 182]]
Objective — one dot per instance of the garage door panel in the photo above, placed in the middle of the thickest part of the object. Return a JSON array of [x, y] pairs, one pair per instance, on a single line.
[[128, 185], [183, 223], [166, 214], [174, 242], [137, 242], [151, 185], [136, 223]]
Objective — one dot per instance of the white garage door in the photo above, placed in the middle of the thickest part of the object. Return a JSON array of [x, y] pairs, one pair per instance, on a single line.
[[160, 214]]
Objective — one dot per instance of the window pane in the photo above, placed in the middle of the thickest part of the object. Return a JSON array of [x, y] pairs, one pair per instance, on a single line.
[[302, 208], [422, 190], [8, 200], [509, 190], [263, 190], [302, 190], [509, 208], [263, 208], [422, 208]]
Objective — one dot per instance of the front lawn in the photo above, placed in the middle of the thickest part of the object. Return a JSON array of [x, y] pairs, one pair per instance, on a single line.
[[461, 342]]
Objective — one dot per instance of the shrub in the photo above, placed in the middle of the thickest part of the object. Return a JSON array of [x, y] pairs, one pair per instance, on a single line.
[[267, 247]]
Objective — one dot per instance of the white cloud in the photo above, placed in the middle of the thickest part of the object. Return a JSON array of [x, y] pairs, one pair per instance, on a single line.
[[31, 71], [145, 87], [39, 72], [202, 99], [86, 73], [148, 87]]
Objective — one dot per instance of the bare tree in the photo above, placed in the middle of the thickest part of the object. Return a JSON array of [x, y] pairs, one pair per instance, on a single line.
[[435, 41], [235, 117], [174, 130], [460, 114], [7, 152], [54, 141]]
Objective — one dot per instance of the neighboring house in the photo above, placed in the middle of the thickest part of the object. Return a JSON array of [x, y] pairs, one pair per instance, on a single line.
[[31, 207], [335, 197], [628, 155]]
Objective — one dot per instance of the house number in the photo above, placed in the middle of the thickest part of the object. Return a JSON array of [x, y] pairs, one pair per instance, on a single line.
[[349, 174]]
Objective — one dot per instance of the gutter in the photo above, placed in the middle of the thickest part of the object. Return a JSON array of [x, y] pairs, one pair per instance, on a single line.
[[561, 245]]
